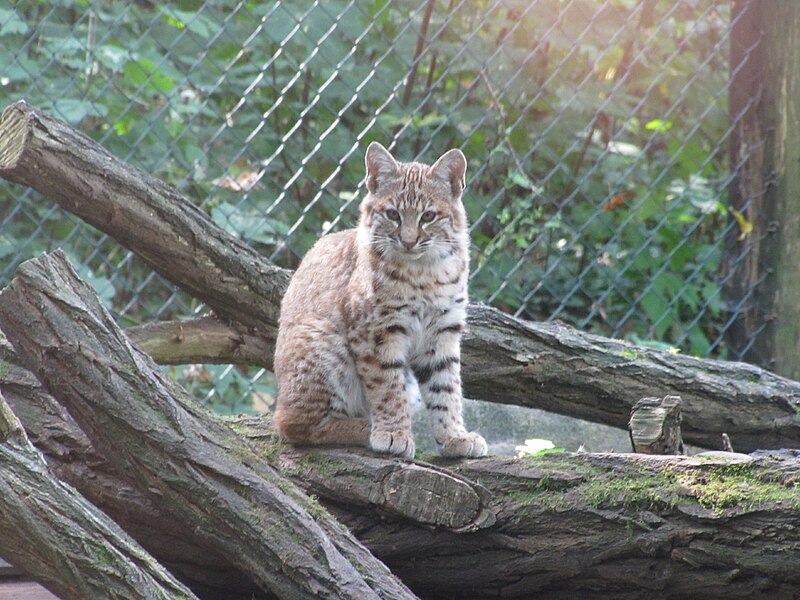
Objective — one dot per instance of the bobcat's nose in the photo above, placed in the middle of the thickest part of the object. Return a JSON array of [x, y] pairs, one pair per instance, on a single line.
[[408, 245]]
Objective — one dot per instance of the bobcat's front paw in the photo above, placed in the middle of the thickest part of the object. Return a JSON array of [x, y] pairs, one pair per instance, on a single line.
[[468, 444], [393, 442]]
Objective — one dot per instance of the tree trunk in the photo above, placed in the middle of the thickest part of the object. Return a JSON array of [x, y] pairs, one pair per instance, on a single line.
[[56, 536], [220, 492], [763, 274], [556, 526], [542, 365]]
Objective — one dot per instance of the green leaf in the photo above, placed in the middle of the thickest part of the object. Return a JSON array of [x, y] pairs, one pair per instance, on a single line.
[[22, 69], [700, 345], [658, 125], [112, 57], [7, 246], [520, 179], [74, 111], [248, 225], [654, 305], [143, 73], [11, 22], [194, 22]]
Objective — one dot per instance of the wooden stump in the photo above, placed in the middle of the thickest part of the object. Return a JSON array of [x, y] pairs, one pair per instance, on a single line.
[[655, 426]]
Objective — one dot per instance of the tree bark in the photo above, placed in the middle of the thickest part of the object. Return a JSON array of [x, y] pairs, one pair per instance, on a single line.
[[542, 365], [556, 526], [761, 270], [58, 537], [221, 493], [72, 458], [202, 340]]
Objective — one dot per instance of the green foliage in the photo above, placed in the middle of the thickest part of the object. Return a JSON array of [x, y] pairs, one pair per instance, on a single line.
[[594, 131], [229, 389]]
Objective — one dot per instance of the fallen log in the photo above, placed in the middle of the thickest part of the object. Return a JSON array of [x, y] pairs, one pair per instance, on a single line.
[[72, 458], [222, 494], [543, 365], [561, 526], [55, 535]]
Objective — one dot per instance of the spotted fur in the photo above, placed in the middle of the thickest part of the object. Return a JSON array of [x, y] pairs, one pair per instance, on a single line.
[[374, 315]]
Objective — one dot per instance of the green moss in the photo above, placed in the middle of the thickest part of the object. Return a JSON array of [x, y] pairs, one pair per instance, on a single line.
[[716, 488], [269, 445], [428, 457], [738, 486], [271, 448], [315, 509], [3, 369], [599, 488], [324, 465], [644, 490]]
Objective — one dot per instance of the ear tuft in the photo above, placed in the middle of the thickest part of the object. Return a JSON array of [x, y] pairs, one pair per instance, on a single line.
[[379, 164], [452, 169]]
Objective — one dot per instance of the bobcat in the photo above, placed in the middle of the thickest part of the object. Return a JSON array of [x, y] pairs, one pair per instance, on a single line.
[[373, 317]]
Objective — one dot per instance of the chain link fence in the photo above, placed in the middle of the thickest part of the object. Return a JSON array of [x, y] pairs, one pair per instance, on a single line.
[[596, 132]]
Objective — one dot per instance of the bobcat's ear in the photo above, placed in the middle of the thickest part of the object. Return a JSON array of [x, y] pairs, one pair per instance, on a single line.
[[380, 164], [452, 169]]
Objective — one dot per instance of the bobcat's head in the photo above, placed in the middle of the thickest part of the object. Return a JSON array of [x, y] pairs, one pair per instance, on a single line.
[[414, 210]]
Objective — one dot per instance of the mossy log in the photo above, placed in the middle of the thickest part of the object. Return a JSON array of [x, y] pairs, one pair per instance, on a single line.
[[215, 487], [55, 535], [556, 526]]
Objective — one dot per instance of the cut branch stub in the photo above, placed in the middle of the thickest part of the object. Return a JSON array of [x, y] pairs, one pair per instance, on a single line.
[[422, 493], [655, 426]]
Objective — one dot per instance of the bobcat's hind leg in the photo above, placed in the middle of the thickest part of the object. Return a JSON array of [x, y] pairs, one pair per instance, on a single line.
[[320, 428], [347, 431]]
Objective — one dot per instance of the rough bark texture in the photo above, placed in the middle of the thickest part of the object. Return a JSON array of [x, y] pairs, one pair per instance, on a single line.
[[73, 459], [556, 526], [553, 367], [761, 270], [58, 537], [220, 491], [543, 365]]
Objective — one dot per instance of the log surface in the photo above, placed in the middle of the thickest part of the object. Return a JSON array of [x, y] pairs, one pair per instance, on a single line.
[[223, 494], [569, 525], [54, 534]]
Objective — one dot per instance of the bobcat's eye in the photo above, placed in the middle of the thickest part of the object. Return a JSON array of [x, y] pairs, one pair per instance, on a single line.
[[427, 216], [393, 215]]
